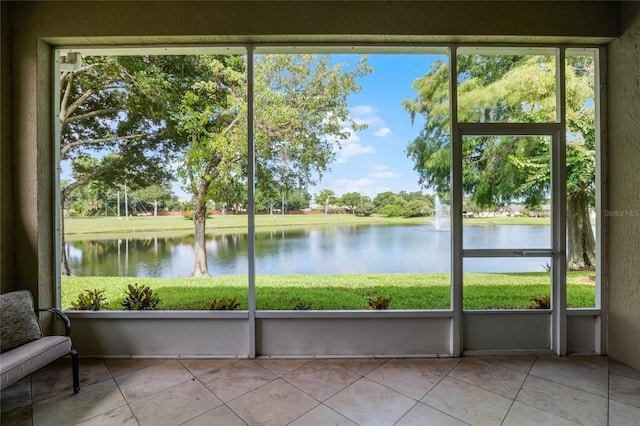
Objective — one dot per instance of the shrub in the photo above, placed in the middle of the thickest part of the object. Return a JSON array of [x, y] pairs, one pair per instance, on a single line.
[[302, 305], [90, 301], [221, 305], [379, 304], [540, 302], [140, 298]]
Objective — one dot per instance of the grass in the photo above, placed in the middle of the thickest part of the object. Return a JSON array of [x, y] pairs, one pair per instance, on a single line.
[[341, 292], [87, 228]]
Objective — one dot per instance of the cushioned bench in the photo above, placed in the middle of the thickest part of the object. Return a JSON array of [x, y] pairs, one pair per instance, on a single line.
[[23, 348]]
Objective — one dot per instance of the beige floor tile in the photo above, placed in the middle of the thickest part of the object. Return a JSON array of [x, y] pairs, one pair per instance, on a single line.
[[492, 377], [600, 362], [276, 403], [322, 416], [564, 401], [146, 381], [221, 416], [16, 396], [624, 389], [623, 414], [175, 405], [522, 363], [366, 402], [525, 415], [280, 367], [18, 416], [412, 377], [121, 416], [68, 409], [120, 366], [202, 367], [236, 379], [571, 374], [467, 402], [423, 415], [57, 378], [321, 379], [360, 366], [620, 369]]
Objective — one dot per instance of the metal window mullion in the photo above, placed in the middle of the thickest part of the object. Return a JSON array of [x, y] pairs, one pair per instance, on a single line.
[[602, 222], [511, 252], [57, 211], [456, 209], [507, 129], [558, 219], [251, 204]]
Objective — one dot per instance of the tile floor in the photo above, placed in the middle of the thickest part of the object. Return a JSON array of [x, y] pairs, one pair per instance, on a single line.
[[501, 390]]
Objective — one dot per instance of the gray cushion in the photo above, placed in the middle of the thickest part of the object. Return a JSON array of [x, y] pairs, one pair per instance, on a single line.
[[30, 357], [18, 321]]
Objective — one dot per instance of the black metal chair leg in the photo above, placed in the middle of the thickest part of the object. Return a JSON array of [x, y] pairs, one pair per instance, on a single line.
[[76, 375]]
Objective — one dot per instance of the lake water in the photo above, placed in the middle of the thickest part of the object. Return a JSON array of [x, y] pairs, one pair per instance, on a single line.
[[321, 250]]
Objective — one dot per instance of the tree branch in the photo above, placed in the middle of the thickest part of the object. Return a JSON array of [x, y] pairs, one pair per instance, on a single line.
[[91, 114], [66, 148], [80, 101]]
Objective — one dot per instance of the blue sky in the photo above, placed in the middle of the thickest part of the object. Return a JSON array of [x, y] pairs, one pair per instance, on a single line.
[[374, 160]]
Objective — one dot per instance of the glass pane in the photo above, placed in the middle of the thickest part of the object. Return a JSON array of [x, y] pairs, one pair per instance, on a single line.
[[342, 222], [506, 188], [506, 85], [153, 181], [581, 175], [506, 283]]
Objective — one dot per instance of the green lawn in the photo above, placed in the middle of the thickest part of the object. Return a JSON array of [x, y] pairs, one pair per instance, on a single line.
[[323, 292], [83, 228], [342, 292]]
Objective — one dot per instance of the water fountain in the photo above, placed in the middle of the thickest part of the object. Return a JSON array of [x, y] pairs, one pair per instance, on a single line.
[[441, 221]]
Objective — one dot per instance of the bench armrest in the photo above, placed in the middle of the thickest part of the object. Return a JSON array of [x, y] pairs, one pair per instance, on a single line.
[[62, 316]]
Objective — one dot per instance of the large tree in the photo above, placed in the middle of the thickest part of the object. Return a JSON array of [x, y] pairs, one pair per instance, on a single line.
[[499, 170], [301, 115], [325, 197], [111, 120]]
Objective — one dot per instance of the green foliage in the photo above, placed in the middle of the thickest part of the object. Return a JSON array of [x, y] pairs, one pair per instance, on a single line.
[[223, 304], [379, 303], [326, 197], [302, 305], [498, 170], [391, 210], [139, 298], [347, 291], [366, 209], [90, 301], [352, 200], [540, 302]]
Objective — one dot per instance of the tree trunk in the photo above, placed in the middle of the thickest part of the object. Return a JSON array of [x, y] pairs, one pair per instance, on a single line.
[[581, 243], [200, 268], [64, 263]]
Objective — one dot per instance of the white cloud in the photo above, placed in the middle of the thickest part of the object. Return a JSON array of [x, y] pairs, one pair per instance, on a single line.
[[362, 110], [383, 131], [350, 147], [365, 114], [378, 167], [352, 150], [385, 175], [363, 186]]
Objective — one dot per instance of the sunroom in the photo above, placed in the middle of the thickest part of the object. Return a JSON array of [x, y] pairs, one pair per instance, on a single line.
[[43, 47]]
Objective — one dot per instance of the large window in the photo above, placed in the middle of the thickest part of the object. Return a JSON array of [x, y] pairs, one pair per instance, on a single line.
[[324, 178]]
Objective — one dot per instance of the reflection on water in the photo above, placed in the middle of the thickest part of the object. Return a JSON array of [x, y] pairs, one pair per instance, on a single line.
[[329, 250]]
